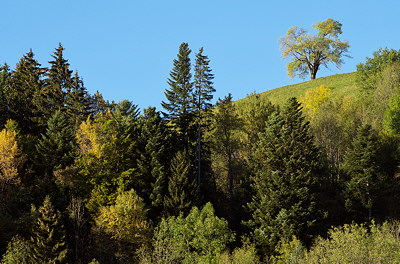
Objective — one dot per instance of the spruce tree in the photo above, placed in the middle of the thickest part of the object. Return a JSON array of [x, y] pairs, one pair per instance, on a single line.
[[57, 145], [58, 82], [362, 167], [48, 238], [179, 97], [24, 95], [77, 101], [182, 187], [287, 176], [203, 94], [152, 162]]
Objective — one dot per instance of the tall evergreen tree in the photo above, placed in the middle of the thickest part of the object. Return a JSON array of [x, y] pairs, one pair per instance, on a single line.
[[56, 147], [287, 177], [152, 162], [362, 166], [25, 95], [48, 239], [203, 94], [182, 187], [58, 82], [5, 75], [77, 101], [179, 97]]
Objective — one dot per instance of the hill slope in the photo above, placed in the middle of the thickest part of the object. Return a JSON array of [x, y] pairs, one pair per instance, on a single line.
[[343, 84]]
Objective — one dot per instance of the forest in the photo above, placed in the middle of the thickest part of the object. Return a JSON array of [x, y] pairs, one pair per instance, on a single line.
[[313, 179]]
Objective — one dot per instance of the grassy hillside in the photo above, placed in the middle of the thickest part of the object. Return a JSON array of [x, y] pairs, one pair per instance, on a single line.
[[343, 84]]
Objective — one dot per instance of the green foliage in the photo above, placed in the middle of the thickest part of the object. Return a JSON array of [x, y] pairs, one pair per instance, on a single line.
[[287, 170], [391, 121], [18, 251], [125, 224], [48, 236], [362, 166], [179, 96], [155, 147], [198, 238], [309, 52], [24, 94], [57, 145], [182, 188], [289, 251], [370, 72], [247, 254], [357, 244]]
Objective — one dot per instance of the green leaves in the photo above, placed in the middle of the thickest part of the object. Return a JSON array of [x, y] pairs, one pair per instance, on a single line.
[[308, 52]]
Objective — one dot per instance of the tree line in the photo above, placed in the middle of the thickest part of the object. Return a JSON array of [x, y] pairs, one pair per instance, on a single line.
[[85, 180]]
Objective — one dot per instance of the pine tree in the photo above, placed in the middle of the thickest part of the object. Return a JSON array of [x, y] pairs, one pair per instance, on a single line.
[[24, 95], [180, 98], [57, 145], [203, 94], [48, 239], [287, 172], [182, 188]]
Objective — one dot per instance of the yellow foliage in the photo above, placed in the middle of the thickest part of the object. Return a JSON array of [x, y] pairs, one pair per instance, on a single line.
[[89, 140], [126, 219], [11, 160], [313, 98]]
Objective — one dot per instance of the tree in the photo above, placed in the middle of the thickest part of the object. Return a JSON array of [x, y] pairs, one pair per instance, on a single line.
[[57, 146], [309, 52], [58, 82], [48, 236], [180, 97], [203, 94], [226, 144], [362, 167], [25, 95], [11, 164], [200, 237], [125, 223], [155, 148], [287, 177], [370, 72], [182, 187], [19, 250]]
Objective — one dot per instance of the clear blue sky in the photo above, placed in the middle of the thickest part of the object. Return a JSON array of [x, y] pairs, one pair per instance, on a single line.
[[125, 48]]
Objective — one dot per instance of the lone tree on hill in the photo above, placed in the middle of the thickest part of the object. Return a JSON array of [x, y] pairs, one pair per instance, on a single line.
[[308, 52]]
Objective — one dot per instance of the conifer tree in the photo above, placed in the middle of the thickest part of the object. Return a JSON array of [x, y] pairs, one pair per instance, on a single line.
[[179, 97], [203, 94], [226, 145], [361, 164], [152, 162], [48, 239], [24, 95], [57, 145], [182, 188], [5, 75], [287, 172], [58, 82]]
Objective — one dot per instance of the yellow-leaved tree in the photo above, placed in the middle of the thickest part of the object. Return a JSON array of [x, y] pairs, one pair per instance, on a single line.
[[314, 98], [11, 162]]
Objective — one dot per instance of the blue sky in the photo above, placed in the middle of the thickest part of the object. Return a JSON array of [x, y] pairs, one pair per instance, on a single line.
[[125, 49]]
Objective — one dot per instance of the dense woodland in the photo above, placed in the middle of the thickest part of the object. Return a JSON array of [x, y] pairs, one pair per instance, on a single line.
[[85, 180]]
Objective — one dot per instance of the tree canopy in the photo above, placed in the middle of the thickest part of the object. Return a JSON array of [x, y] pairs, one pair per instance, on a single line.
[[309, 52]]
